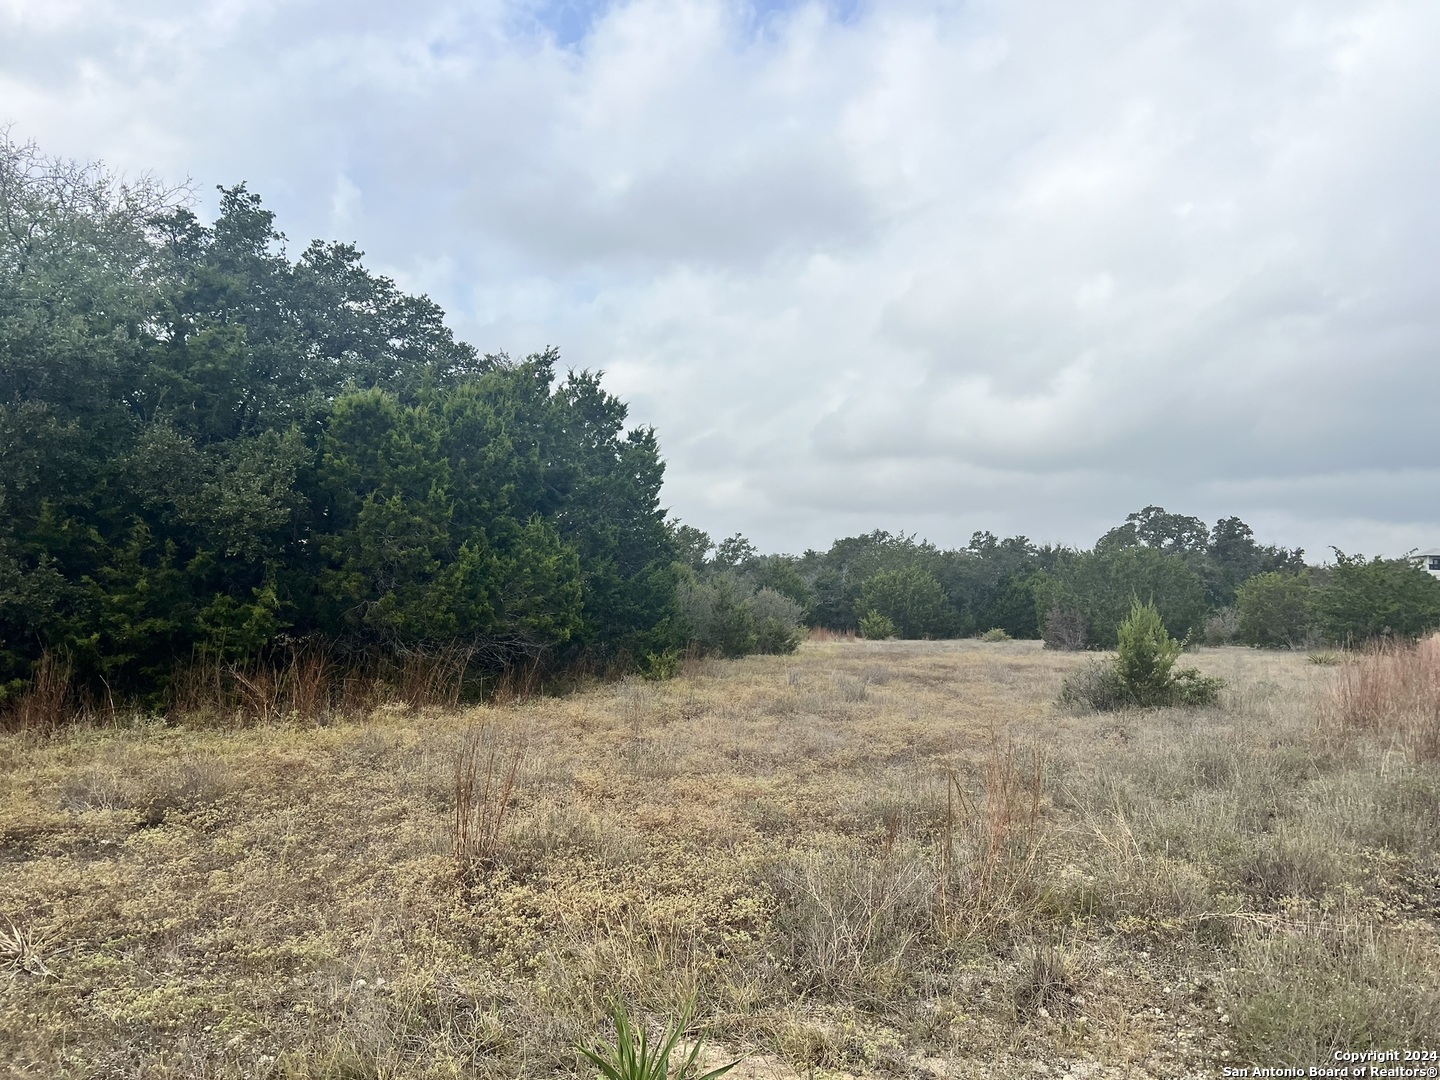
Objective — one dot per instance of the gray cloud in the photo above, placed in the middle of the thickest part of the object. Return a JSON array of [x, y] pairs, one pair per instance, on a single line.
[[931, 266]]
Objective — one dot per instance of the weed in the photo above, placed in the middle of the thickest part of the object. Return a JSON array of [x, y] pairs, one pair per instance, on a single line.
[[850, 914], [1304, 991], [632, 1057], [1096, 686], [20, 951], [484, 782], [1045, 985], [47, 701], [991, 845]]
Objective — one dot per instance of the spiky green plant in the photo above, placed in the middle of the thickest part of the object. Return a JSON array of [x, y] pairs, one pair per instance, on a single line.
[[632, 1057]]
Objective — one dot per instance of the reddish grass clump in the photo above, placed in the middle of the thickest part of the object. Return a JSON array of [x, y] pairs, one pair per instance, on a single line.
[[46, 703], [824, 633], [1394, 689]]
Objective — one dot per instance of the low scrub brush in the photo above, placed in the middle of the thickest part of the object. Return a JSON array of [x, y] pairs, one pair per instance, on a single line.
[[1142, 673]]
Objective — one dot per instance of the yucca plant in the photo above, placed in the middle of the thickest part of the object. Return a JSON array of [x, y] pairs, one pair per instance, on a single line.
[[632, 1057]]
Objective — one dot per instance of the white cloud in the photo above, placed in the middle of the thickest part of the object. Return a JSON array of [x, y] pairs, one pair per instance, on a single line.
[[1021, 266]]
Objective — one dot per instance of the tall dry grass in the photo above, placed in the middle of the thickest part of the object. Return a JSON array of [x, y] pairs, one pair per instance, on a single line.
[[1393, 690], [855, 856], [47, 702], [485, 773], [991, 846], [307, 682]]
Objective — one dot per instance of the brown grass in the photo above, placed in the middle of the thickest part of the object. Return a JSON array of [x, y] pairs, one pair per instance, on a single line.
[[484, 783], [879, 859], [988, 876], [47, 702], [1393, 689]]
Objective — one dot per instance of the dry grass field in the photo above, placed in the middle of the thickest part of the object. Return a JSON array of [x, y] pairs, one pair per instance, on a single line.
[[896, 859]]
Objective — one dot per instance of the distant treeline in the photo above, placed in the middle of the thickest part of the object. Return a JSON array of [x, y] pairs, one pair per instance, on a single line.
[[1213, 584], [217, 457]]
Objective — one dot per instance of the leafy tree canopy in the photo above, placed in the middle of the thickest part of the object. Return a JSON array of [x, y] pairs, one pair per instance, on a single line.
[[206, 444]]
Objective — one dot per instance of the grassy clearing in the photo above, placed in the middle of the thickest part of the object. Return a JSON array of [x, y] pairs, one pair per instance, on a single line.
[[870, 859]]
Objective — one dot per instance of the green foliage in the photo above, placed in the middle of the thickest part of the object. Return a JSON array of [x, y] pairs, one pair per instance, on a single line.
[[1274, 609], [715, 615], [1101, 585], [734, 551], [1379, 598], [1223, 557], [692, 545], [837, 576], [206, 444], [995, 634], [877, 627], [660, 666], [1142, 673], [911, 598], [778, 628], [1146, 655], [1233, 557], [1192, 687], [633, 1057], [779, 572]]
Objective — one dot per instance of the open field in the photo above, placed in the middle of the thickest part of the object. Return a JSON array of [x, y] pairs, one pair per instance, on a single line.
[[870, 859]]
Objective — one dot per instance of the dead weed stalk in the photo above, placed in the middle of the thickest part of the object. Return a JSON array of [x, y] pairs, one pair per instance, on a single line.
[[485, 775], [47, 702], [991, 845]]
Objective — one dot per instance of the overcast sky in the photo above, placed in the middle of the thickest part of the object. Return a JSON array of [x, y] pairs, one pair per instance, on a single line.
[[934, 267]]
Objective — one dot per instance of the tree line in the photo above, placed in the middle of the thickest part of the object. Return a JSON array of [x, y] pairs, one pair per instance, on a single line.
[[215, 452], [1215, 584], [210, 449]]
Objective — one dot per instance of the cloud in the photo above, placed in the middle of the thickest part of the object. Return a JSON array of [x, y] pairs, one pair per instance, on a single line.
[[932, 266]]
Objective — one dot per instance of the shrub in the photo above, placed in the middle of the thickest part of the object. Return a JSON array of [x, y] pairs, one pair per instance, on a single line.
[[1065, 628], [911, 598], [1095, 686], [715, 616], [1221, 627], [1147, 653], [876, 627], [1273, 609], [777, 621], [1143, 673], [1192, 687], [995, 634], [1378, 598]]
